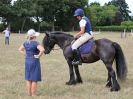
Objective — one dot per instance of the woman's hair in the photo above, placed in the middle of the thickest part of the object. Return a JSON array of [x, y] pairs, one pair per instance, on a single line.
[[29, 38]]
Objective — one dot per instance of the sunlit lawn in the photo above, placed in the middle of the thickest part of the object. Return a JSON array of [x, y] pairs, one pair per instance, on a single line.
[[55, 73]]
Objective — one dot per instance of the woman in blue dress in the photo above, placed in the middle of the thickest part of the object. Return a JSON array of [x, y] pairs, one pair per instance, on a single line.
[[32, 51]]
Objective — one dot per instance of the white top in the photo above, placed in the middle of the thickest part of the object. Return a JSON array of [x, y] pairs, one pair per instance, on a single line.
[[7, 33], [82, 23]]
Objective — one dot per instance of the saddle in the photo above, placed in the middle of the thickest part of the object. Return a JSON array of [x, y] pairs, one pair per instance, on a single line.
[[86, 48]]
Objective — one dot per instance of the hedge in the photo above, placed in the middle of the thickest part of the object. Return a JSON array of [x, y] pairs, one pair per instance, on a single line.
[[113, 28]]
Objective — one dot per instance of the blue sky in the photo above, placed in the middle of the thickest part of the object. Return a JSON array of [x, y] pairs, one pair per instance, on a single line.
[[102, 2]]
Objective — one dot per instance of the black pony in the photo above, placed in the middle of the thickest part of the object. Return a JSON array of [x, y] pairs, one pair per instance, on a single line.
[[103, 49]]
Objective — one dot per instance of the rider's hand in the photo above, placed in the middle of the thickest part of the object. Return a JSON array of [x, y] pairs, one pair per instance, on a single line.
[[75, 36]]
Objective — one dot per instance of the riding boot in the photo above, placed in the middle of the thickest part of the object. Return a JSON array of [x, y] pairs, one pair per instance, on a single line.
[[77, 58]]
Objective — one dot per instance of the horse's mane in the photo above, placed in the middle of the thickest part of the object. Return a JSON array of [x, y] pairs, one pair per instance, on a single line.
[[61, 33]]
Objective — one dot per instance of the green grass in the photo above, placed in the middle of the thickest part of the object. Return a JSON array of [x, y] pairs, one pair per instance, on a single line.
[[55, 73]]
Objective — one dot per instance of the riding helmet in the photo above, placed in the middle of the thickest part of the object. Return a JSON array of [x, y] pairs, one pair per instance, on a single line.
[[79, 12]]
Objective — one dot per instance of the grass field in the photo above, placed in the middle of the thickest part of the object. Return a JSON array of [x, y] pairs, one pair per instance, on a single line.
[[55, 73]]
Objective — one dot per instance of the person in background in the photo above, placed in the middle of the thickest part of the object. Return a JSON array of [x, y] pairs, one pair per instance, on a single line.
[[7, 35], [32, 50], [82, 36]]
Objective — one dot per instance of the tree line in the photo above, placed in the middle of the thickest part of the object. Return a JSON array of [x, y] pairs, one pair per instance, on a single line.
[[51, 15]]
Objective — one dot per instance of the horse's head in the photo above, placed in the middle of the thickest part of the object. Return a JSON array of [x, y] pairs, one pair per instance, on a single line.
[[61, 39], [48, 43]]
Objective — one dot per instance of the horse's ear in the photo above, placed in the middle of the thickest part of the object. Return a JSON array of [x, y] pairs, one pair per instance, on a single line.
[[47, 34]]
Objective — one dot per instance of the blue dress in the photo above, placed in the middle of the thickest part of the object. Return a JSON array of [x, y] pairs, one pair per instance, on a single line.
[[32, 65]]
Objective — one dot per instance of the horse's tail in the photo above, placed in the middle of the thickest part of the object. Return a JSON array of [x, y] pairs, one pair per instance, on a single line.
[[121, 67]]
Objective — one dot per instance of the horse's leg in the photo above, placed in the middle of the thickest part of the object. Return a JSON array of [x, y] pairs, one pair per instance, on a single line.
[[72, 80], [115, 85], [109, 83], [78, 77]]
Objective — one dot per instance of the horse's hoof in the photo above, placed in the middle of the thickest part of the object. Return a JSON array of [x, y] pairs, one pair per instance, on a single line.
[[79, 81], [70, 83], [108, 85], [67, 83], [114, 89]]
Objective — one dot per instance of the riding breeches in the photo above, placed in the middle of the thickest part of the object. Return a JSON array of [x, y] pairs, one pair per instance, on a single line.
[[85, 37]]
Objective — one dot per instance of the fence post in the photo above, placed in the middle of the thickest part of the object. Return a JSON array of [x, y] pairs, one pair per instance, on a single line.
[[131, 31], [99, 31], [123, 34], [19, 31]]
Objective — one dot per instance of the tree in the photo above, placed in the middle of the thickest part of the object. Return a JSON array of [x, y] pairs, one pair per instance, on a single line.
[[123, 8], [6, 10], [108, 14], [24, 9], [101, 15], [59, 13], [53, 13], [65, 18], [93, 11]]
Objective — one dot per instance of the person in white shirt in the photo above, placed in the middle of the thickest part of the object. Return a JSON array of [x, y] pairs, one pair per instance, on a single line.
[[82, 36], [7, 35]]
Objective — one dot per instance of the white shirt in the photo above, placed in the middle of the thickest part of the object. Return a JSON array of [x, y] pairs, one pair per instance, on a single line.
[[82, 23], [7, 33]]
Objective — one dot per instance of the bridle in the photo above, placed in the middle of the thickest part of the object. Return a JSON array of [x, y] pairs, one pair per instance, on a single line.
[[52, 48]]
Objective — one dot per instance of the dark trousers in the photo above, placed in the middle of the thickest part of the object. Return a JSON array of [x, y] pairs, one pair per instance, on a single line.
[[6, 40]]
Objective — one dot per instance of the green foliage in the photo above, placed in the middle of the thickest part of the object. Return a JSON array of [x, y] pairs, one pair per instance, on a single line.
[[6, 10], [108, 14], [129, 28], [101, 15], [123, 8], [24, 8], [2, 27], [127, 23], [94, 11], [58, 14], [113, 28], [54, 12], [5, 7]]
